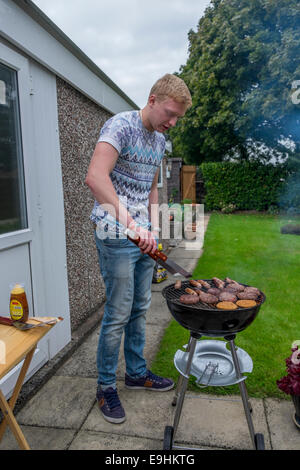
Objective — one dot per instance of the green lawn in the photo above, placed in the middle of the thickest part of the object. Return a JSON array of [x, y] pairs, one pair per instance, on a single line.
[[250, 249]]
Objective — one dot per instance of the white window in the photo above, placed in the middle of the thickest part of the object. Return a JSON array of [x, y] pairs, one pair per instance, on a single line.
[[13, 212], [160, 176]]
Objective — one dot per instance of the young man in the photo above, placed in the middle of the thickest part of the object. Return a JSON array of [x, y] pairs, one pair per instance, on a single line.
[[123, 177]]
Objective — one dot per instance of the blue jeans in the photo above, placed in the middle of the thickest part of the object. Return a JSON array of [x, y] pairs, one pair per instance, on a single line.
[[127, 274]]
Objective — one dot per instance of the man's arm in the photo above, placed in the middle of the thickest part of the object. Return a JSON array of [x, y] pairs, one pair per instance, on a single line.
[[98, 180]]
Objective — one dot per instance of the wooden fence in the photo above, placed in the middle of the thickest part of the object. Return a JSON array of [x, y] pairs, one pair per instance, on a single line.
[[188, 182]]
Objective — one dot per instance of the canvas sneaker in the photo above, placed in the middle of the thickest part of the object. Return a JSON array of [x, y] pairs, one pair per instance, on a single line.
[[149, 381], [110, 405]]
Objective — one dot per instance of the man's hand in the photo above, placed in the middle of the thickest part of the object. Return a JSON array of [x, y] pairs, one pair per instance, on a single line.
[[148, 243]]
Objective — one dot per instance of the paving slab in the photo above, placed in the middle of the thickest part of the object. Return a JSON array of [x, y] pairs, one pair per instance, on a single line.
[[283, 432], [83, 362], [158, 313], [39, 438], [147, 413], [220, 422], [183, 253], [63, 402], [88, 440]]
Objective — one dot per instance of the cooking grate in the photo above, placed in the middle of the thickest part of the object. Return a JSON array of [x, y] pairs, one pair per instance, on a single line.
[[173, 295]]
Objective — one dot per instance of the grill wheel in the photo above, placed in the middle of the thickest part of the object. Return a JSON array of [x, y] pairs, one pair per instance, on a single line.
[[168, 438], [259, 441]]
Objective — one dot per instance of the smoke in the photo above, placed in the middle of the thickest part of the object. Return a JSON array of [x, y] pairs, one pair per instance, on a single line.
[[289, 199]]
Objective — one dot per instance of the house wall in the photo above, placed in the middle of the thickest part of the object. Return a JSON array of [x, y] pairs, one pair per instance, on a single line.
[[174, 182], [80, 121]]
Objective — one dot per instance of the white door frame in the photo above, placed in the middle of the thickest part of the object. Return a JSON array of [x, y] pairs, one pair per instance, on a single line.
[[45, 209]]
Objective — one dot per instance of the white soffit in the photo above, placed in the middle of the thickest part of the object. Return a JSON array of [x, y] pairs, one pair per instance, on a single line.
[[23, 24]]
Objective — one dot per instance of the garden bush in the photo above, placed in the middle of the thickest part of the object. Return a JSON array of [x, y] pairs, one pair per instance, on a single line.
[[231, 186]]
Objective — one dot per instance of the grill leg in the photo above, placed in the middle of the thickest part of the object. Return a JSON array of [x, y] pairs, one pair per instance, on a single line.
[[183, 382], [243, 390], [178, 387], [180, 379]]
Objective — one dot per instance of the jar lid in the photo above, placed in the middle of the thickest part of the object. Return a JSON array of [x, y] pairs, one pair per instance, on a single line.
[[17, 289]]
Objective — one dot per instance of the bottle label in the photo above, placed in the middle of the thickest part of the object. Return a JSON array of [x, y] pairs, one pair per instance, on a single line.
[[16, 310]]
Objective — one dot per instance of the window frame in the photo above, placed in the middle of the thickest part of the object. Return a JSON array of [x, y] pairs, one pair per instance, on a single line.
[[20, 154], [20, 64], [160, 181]]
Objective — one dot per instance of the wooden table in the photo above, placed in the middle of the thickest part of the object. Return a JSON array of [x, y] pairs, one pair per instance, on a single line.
[[15, 346]]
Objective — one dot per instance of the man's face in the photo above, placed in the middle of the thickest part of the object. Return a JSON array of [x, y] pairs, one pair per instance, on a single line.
[[164, 114]]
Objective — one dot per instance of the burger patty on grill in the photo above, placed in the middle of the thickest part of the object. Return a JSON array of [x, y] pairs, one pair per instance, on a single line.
[[208, 298], [227, 297]]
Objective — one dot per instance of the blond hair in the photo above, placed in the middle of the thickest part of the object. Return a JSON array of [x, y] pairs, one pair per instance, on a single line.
[[170, 86]]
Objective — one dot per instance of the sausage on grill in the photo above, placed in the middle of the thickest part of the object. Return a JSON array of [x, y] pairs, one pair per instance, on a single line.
[[203, 283], [177, 285], [199, 291], [195, 283], [190, 291], [189, 299], [218, 282]]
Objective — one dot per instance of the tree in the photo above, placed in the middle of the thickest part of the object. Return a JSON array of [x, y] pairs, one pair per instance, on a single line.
[[242, 72]]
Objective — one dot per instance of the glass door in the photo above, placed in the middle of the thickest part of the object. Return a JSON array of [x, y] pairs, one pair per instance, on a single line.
[[13, 213], [16, 235]]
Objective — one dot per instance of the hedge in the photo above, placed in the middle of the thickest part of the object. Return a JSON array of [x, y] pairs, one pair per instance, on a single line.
[[233, 186]]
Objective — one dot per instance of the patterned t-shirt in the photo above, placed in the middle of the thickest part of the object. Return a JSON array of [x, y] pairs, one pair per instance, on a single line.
[[140, 155]]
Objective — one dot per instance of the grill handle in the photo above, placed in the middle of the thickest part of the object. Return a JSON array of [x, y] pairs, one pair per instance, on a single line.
[[133, 237]]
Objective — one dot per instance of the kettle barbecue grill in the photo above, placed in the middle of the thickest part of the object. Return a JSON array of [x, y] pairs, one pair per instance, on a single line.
[[210, 361]]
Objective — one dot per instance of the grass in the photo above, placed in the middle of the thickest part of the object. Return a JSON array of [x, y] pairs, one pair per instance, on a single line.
[[249, 249]]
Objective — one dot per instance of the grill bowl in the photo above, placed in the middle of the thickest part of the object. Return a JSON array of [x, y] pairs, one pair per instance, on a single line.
[[208, 320]]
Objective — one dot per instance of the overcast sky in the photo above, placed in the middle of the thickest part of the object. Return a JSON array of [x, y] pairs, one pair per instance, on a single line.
[[134, 42]]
